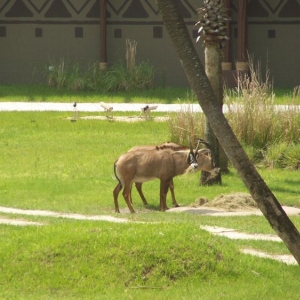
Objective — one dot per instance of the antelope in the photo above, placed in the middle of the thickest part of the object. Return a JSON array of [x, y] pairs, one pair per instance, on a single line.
[[145, 165], [166, 145]]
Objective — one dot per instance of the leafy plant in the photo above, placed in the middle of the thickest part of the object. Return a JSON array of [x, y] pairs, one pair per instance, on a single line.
[[292, 157], [117, 78]]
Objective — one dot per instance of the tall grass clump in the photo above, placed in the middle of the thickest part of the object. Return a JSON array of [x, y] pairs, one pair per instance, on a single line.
[[256, 120], [258, 123], [94, 77], [119, 78], [269, 132], [185, 124], [282, 155], [116, 78], [253, 114], [57, 74]]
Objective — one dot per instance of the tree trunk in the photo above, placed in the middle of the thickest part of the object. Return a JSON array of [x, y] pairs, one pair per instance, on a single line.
[[202, 88], [213, 69]]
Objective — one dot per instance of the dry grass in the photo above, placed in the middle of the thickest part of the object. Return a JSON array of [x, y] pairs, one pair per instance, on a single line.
[[229, 202], [186, 125], [253, 115], [258, 123]]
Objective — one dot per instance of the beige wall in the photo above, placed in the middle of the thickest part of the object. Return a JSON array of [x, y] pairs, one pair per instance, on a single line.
[[159, 52], [23, 56], [281, 58]]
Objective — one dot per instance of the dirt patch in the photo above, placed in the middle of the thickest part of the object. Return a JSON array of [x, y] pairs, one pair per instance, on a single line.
[[129, 119], [229, 202], [18, 222]]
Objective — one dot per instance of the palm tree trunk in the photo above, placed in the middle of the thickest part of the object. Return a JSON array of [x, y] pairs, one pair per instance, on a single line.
[[213, 69], [202, 88]]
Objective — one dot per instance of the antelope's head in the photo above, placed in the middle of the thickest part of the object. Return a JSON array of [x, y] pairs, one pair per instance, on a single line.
[[192, 159], [208, 163]]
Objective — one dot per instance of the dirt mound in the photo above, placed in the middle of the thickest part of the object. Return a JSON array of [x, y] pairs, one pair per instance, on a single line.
[[229, 202]]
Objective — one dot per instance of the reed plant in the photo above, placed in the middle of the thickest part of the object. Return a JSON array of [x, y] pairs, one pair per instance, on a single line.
[[185, 125], [56, 74], [94, 78], [282, 155], [116, 78]]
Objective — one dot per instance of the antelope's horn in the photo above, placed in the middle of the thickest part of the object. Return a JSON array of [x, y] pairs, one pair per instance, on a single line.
[[197, 147], [190, 144], [201, 141]]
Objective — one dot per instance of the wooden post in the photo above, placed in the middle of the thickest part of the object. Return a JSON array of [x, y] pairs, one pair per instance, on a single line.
[[103, 58], [227, 63], [242, 35]]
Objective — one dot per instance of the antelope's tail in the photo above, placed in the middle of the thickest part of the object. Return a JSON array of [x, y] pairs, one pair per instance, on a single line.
[[120, 183]]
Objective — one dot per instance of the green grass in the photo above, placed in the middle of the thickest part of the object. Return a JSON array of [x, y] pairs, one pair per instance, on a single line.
[[44, 93], [92, 260], [50, 163]]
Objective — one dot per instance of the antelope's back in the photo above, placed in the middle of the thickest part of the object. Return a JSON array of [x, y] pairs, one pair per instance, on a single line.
[[143, 165], [163, 146]]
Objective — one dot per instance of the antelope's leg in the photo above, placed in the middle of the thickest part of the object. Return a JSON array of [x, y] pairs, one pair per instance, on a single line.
[[163, 195], [130, 195], [171, 187], [138, 186], [116, 192], [126, 195]]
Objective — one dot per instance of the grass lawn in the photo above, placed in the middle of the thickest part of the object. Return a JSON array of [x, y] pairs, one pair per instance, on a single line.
[[50, 163], [43, 93]]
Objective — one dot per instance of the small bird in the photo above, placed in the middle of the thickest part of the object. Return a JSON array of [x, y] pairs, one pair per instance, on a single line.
[[74, 104], [145, 108]]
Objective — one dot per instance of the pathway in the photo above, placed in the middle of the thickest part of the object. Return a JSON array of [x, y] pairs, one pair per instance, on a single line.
[[227, 232]]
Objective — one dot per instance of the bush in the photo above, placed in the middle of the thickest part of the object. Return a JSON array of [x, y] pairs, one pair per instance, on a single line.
[[116, 78]]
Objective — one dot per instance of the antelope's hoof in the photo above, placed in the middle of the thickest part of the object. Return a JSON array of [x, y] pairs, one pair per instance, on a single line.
[[164, 209]]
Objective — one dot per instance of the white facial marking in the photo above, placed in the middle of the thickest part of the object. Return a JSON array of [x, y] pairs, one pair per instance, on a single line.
[[195, 166]]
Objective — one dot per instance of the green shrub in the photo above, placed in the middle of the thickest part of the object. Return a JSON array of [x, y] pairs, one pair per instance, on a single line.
[[116, 78], [274, 155], [292, 157], [94, 78]]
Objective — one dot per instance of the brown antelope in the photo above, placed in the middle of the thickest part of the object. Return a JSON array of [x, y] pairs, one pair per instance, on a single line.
[[166, 145], [142, 166]]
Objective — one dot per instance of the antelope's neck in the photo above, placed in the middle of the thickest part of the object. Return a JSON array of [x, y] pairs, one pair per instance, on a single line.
[[181, 162]]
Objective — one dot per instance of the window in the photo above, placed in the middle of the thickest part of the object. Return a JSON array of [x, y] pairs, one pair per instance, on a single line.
[[271, 33], [78, 32], [2, 31], [118, 33], [157, 32], [38, 32]]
